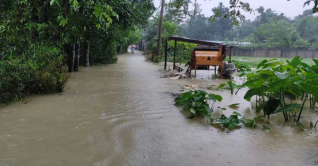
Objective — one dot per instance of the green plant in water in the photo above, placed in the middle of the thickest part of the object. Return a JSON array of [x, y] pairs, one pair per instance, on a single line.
[[241, 66], [236, 120], [197, 102], [233, 121], [230, 85], [275, 80]]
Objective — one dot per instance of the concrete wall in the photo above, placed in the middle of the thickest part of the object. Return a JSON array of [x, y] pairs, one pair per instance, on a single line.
[[283, 53]]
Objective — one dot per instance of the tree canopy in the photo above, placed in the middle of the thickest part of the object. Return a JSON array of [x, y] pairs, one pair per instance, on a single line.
[[41, 40]]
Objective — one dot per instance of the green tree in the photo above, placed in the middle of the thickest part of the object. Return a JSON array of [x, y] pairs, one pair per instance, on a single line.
[[277, 35], [308, 30]]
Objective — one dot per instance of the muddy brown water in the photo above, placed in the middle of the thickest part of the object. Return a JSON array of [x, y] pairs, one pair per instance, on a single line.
[[124, 114]]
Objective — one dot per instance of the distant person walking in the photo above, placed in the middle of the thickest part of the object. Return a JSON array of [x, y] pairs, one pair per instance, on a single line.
[[132, 47]]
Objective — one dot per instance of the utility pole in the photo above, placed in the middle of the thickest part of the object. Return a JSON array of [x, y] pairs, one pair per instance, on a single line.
[[160, 28]]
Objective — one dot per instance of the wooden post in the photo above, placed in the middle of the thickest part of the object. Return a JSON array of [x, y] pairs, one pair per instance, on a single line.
[[166, 54], [174, 54], [214, 72], [221, 71], [230, 58]]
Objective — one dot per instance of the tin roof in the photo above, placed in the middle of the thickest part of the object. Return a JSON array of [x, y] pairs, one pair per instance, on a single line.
[[200, 42]]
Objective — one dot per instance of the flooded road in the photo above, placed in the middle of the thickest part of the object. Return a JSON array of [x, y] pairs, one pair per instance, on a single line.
[[124, 114]]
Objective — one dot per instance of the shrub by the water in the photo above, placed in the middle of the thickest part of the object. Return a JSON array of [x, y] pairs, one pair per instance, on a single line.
[[38, 70]]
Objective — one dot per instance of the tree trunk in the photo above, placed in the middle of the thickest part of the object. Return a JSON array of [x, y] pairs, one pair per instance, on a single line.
[[72, 58], [76, 56], [70, 48], [160, 29], [46, 17], [86, 52]]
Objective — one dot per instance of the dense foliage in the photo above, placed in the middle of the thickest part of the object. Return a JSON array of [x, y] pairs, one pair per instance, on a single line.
[[41, 40], [279, 84]]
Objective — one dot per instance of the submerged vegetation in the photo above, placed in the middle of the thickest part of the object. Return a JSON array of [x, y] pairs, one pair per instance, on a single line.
[[274, 81], [197, 102], [277, 86]]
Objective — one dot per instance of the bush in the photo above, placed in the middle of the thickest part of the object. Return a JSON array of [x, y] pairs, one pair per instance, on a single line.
[[38, 70]]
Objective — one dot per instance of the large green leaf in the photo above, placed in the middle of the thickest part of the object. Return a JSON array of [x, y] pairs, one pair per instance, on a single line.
[[262, 63], [252, 92], [52, 2], [283, 75], [192, 111], [295, 62], [232, 126], [291, 107], [311, 89], [273, 63], [221, 86], [266, 71], [215, 97], [295, 89], [236, 105], [300, 125], [265, 128], [316, 61]]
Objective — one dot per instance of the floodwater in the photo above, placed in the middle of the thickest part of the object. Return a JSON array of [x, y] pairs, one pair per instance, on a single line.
[[124, 114]]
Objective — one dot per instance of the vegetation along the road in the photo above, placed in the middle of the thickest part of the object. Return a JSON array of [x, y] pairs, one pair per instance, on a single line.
[[41, 40]]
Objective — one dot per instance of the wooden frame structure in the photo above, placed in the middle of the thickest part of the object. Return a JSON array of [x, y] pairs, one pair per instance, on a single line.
[[187, 40]]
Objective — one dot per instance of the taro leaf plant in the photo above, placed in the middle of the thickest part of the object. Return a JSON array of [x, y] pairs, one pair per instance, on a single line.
[[232, 122], [236, 120], [278, 86], [198, 103]]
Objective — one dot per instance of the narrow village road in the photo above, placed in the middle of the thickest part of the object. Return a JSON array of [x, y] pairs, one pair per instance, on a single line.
[[124, 114]]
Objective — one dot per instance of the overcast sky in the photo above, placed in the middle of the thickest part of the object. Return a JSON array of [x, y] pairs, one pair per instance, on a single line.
[[290, 8]]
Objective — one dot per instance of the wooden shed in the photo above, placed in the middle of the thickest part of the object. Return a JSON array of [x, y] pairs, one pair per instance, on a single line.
[[203, 56]]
